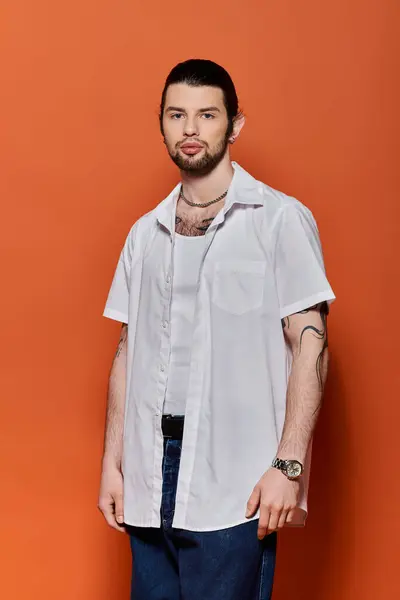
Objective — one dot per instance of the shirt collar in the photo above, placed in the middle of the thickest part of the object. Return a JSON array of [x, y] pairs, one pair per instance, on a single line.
[[244, 189]]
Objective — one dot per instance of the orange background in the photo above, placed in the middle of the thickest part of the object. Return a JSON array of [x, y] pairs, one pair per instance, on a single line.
[[82, 158]]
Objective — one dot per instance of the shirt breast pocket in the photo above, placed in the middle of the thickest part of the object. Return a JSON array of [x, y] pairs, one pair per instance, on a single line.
[[238, 285]]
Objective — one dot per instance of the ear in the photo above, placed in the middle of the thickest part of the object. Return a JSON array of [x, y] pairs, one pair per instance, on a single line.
[[238, 123]]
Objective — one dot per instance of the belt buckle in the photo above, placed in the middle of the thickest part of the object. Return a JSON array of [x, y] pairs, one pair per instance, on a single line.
[[172, 426]]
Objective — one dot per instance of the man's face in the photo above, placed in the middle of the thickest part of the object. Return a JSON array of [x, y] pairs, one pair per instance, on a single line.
[[195, 125]]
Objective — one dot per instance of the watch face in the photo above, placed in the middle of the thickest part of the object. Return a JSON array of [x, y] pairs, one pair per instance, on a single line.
[[293, 468]]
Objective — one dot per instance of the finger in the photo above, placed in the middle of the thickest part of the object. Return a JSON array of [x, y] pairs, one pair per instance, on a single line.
[[290, 516], [107, 510], [119, 508], [282, 519], [263, 521], [253, 503], [111, 520], [273, 520]]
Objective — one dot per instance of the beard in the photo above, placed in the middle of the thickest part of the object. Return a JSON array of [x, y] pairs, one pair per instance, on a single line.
[[206, 163]]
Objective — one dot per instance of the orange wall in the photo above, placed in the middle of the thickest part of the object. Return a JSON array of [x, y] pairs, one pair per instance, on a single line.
[[82, 159]]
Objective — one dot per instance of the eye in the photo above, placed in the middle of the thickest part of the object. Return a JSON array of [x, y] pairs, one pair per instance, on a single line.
[[208, 116], [176, 116]]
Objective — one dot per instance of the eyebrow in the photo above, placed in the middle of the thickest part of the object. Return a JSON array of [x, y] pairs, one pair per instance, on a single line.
[[202, 110]]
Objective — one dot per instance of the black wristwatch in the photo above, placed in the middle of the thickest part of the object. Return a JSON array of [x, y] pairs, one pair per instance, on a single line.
[[291, 468]]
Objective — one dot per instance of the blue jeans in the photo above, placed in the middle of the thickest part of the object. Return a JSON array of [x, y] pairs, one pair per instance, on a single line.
[[176, 564]]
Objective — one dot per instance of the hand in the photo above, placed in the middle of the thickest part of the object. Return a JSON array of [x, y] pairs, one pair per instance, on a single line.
[[111, 496], [277, 496]]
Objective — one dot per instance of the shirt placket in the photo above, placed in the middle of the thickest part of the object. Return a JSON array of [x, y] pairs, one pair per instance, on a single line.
[[163, 367], [165, 325], [194, 397]]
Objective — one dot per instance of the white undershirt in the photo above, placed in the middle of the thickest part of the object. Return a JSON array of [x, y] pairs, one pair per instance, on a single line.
[[188, 251]]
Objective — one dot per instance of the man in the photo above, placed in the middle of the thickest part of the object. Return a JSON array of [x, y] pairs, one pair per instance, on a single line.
[[217, 382]]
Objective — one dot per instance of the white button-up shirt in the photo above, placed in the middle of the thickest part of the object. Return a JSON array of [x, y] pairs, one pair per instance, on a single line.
[[262, 261]]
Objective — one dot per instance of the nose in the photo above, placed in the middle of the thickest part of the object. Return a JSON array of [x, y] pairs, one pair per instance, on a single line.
[[191, 127]]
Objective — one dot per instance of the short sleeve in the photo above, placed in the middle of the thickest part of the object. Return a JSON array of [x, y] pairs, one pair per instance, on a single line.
[[117, 304], [298, 261]]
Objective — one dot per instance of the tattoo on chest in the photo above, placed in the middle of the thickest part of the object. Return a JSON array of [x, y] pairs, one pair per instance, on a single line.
[[185, 227]]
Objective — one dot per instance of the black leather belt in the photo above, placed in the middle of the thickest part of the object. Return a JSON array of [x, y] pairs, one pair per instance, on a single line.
[[172, 426]]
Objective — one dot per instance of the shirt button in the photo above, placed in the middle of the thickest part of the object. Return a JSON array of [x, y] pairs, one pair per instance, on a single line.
[[162, 368], [168, 279], [165, 323]]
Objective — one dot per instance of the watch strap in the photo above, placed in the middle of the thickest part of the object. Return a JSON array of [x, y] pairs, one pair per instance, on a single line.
[[279, 463]]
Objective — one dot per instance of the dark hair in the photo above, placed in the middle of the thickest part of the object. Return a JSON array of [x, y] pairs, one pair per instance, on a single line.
[[198, 72]]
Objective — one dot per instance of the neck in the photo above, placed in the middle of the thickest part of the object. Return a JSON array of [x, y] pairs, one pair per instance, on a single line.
[[205, 188]]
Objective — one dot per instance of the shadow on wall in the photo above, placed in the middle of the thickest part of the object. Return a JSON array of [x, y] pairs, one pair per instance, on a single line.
[[331, 508]]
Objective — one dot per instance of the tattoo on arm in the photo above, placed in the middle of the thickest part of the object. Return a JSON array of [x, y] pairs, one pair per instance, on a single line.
[[122, 339], [305, 390], [285, 322], [322, 334]]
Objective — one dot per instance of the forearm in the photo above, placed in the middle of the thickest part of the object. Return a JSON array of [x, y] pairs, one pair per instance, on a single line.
[[307, 379], [303, 401], [116, 405]]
